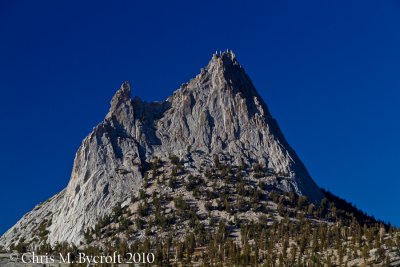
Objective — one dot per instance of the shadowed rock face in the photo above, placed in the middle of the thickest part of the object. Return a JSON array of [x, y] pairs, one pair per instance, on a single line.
[[219, 112]]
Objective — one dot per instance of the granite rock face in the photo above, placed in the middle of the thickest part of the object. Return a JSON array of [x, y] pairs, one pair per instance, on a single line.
[[218, 113]]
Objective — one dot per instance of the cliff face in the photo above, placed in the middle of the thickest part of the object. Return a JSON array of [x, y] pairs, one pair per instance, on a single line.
[[218, 113]]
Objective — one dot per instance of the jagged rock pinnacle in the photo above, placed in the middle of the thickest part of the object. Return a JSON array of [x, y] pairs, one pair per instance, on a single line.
[[217, 114], [122, 96], [222, 61]]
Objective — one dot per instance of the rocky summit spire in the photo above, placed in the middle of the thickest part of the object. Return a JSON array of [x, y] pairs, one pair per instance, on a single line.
[[121, 97], [218, 114], [226, 57], [221, 112], [224, 62], [227, 74]]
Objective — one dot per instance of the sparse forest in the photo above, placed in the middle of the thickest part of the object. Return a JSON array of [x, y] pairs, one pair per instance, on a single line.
[[231, 216]]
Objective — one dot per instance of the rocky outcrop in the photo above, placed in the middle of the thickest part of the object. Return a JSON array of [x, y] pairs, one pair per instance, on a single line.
[[218, 113]]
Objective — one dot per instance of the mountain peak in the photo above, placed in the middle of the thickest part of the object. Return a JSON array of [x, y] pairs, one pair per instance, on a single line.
[[224, 74], [225, 56], [223, 61], [217, 115], [209, 158], [123, 95]]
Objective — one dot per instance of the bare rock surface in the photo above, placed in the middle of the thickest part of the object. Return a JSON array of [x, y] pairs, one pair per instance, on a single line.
[[218, 113]]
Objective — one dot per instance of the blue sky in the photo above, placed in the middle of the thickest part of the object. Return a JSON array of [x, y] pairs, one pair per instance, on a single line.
[[328, 70]]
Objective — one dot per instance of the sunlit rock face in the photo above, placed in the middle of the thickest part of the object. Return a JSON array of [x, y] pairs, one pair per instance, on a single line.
[[218, 113]]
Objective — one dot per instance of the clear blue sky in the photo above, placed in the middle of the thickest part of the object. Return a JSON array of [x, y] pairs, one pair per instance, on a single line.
[[329, 71]]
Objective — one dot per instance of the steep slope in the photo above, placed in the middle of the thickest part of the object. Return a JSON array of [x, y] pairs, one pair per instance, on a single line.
[[220, 111], [217, 114]]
